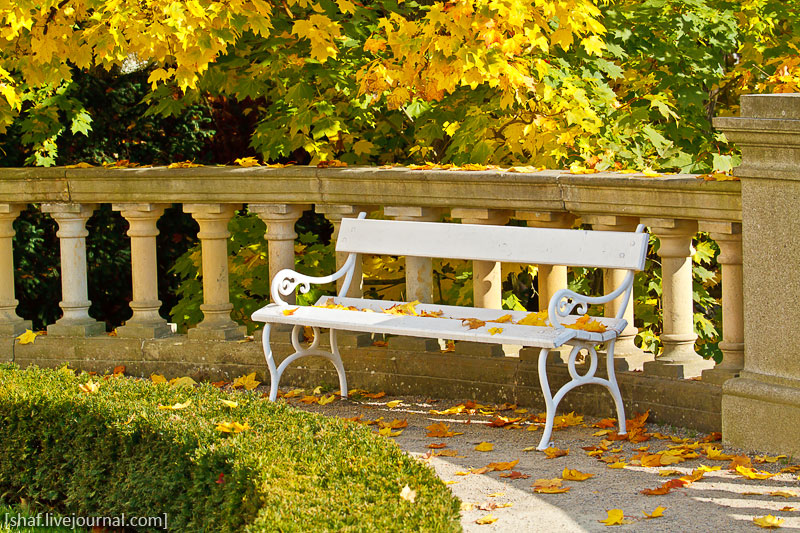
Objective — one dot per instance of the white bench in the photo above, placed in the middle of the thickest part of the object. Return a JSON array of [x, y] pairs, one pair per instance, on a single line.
[[603, 249]]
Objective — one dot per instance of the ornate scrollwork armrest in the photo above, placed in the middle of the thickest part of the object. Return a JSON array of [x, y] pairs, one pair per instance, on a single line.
[[565, 301], [287, 280]]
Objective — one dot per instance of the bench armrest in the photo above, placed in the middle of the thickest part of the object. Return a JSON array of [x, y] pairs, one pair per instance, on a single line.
[[287, 280], [565, 301]]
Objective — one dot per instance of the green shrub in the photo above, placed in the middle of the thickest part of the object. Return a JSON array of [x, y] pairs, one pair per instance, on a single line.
[[114, 451]]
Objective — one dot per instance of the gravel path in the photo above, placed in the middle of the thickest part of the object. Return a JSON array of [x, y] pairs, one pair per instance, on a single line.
[[722, 500]]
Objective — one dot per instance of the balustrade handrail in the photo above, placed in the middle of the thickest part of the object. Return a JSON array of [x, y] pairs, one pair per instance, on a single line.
[[681, 196]]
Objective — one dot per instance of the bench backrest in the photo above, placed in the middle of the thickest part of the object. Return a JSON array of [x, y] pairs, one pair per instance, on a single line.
[[509, 244]]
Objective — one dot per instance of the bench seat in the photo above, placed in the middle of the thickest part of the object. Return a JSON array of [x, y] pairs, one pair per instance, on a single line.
[[449, 326]]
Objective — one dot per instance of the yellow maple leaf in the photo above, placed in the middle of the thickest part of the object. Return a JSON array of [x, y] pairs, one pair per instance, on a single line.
[[325, 400], [230, 403], [498, 467], [534, 319], [658, 512], [751, 473], [615, 518], [247, 162], [768, 459], [484, 447], [473, 323], [184, 164], [288, 312], [409, 308], [503, 319], [593, 45], [549, 486], [232, 427], [618, 464], [575, 475], [393, 403], [768, 521], [158, 378], [28, 337], [176, 406], [248, 382], [495, 331], [387, 432], [783, 494], [80, 165], [440, 430]]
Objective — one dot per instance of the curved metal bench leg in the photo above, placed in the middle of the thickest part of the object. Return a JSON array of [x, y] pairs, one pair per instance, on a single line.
[[274, 375], [337, 362], [548, 399], [613, 387]]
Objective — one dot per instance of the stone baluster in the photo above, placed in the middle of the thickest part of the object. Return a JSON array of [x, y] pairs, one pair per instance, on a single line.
[[11, 324], [419, 270], [75, 303], [678, 358], [551, 278], [213, 221], [335, 213], [487, 277], [626, 354], [728, 237], [280, 235], [146, 322]]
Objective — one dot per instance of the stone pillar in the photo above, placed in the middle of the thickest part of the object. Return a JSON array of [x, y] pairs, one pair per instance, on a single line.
[[487, 276], [761, 407], [551, 278], [728, 236], [280, 235], [627, 355], [146, 322], [419, 270], [75, 322], [678, 358], [335, 213], [213, 220], [11, 324]]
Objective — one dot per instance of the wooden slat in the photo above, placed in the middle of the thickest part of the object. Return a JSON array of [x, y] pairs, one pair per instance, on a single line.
[[512, 244]]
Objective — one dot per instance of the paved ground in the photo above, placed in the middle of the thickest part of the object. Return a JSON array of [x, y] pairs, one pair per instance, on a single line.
[[721, 500]]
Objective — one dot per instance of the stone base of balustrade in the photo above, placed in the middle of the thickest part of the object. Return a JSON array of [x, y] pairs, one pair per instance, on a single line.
[[229, 333], [88, 328], [13, 329], [719, 376], [405, 367], [144, 331], [678, 369]]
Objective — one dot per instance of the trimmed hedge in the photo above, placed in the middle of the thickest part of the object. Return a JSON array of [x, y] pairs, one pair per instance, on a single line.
[[113, 451]]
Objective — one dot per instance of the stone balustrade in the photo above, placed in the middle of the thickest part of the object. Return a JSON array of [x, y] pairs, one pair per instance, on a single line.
[[674, 207]]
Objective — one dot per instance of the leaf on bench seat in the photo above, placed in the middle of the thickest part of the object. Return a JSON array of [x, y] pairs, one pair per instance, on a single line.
[[403, 309], [473, 323], [495, 331], [535, 319], [502, 319], [587, 324]]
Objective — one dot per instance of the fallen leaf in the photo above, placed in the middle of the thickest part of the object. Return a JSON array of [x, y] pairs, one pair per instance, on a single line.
[[325, 400], [768, 521], [751, 473], [768, 459], [549, 486], [393, 404], [232, 427], [185, 381], [515, 475], [717, 455], [552, 452], [529, 449], [176, 407], [288, 312], [331, 164], [89, 387], [497, 494], [28, 337], [446, 453], [666, 472], [497, 467], [658, 512], [503, 319], [82, 164], [488, 519], [783, 494], [575, 475], [665, 488], [230, 403], [436, 445], [119, 370], [484, 447], [495, 331], [248, 382], [473, 323], [387, 432], [618, 464], [615, 518], [247, 162], [184, 164], [157, 378], [408, 494], [441, 430], [467, 506]]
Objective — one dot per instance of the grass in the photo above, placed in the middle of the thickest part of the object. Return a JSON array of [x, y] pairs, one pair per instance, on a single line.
[[114, 451]]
